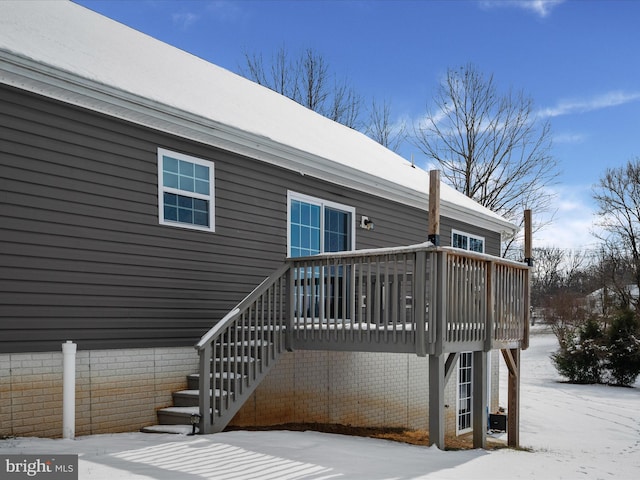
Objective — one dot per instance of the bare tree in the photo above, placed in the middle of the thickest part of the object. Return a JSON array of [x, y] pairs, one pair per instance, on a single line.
[[307, 80], [381, 129], [345, 105], [489, 146], [546, 275], [618, 198], [558, 271]]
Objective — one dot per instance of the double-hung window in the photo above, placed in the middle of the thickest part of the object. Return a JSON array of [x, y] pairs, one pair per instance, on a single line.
[[185, 191], [467, 241]]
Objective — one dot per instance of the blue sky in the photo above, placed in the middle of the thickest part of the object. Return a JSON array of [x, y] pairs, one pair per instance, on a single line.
[[578, 60]]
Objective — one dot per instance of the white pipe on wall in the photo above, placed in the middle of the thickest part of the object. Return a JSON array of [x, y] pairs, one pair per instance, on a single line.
[[69, 389]]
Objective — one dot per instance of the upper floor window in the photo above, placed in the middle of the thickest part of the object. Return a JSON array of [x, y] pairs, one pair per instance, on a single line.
[[467, 241], [185, 191]]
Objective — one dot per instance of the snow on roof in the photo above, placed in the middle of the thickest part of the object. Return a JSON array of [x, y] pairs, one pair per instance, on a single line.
[[60, 37]]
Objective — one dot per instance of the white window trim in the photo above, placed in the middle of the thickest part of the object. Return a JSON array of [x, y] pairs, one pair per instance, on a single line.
[[162, 189], [469, 236], [291, 195]]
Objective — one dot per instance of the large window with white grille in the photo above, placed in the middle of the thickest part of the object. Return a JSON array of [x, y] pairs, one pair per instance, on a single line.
[[185, 191], [318, 226]]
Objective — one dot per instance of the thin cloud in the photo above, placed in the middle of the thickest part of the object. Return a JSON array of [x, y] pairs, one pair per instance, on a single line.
[[610, 99], [573, 224], [185, 20], [225, 10], [571, 138], [542, 8], [220, 10]]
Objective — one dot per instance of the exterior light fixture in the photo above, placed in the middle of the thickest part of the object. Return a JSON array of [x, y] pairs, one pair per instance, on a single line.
[[366, 223]]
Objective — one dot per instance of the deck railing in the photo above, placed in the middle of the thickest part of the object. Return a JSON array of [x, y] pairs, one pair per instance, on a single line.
[[368, 300], [487, 301], [419, 299]]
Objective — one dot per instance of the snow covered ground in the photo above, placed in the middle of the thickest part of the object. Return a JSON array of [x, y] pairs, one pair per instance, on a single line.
[[575, 432]]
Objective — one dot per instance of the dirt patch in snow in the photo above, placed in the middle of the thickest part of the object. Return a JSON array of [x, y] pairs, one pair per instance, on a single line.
[[396, 434]]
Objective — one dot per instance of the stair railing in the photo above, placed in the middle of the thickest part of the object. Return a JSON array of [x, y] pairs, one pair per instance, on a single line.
[[240, 349]]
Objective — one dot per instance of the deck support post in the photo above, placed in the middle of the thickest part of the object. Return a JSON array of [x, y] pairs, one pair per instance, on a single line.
[[479, 407], [436, 401], [512, 359], [437, 370]]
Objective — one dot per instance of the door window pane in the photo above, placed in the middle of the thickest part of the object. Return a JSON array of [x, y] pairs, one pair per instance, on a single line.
[[336, 230], [304, 228], [464, 391]]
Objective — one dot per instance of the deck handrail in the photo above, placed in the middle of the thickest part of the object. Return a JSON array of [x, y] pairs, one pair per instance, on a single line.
[[237, 352], [361, 299], [470, 299], [235, 312]]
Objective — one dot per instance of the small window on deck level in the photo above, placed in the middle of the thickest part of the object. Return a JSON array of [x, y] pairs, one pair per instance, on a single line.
[[466, 241]]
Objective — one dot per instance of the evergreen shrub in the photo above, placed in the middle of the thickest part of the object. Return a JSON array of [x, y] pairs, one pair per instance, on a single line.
[[623, 358], [592, 354]]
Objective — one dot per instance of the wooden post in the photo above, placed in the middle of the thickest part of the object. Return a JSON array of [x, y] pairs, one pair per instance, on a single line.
[[434, 207], [420, 305], [527, 238], [291, 309], [528, 258], [479, 407], [436, 401], [205, 385], [512, 359], [437, 358], [490, 309]]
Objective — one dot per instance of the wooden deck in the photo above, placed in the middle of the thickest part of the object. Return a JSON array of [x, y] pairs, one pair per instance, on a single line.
[[427, 300]]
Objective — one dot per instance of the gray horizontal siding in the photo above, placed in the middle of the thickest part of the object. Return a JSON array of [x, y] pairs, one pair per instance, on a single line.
[[83, 258]]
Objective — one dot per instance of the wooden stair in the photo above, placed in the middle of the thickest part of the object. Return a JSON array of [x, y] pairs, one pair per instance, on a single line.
[[177, 418]]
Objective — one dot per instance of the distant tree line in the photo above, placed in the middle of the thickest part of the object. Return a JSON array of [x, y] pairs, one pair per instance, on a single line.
[[592, 299]]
